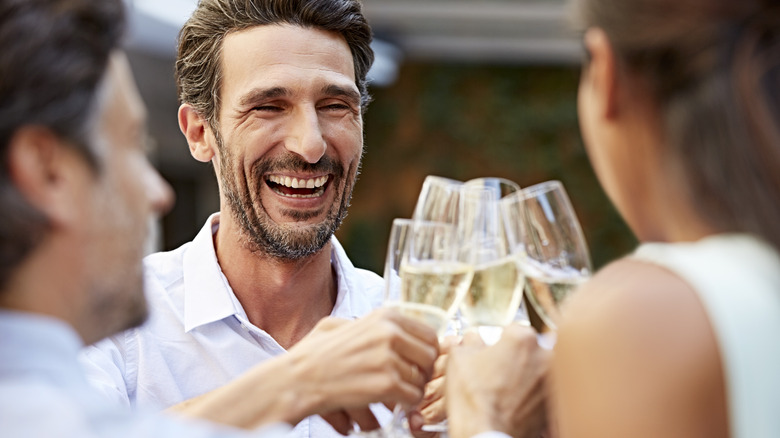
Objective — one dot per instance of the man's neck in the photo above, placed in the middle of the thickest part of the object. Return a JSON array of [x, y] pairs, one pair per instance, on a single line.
[[284, 298]]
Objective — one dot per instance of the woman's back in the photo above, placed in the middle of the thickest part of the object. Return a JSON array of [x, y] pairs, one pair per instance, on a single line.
[[677, 340], [737, 279]]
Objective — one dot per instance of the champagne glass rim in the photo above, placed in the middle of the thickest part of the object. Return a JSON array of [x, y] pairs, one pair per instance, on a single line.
[[443, 179], [542, 187], [413, 221], [502, 180]]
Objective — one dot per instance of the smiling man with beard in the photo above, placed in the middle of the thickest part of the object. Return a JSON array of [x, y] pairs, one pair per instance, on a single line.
[[299, 240], [273, 93]]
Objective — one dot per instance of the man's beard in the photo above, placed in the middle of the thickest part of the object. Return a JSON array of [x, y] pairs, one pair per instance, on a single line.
[[261, 234]]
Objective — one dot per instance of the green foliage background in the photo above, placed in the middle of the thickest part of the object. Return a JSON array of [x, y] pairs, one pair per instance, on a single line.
[[466, 121]]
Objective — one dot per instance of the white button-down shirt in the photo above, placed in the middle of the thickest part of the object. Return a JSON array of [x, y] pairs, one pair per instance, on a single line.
[[198, 336], [43, 392]]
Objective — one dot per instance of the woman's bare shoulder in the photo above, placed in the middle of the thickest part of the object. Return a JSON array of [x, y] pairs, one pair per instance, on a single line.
[[637, 351]]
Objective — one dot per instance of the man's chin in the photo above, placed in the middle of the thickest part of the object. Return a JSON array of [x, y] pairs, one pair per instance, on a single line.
[[295, 250], [292, 219], [294, 243]]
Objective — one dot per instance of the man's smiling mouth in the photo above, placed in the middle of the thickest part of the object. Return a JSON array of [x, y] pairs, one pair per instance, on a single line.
[[298, 187]]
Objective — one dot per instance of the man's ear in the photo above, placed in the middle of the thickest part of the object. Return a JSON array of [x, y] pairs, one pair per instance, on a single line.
[[49, 174], [601, 72], [195, 128]]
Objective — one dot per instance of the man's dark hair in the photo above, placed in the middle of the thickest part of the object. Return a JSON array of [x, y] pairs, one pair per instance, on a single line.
[[198, 65], [53, 56]]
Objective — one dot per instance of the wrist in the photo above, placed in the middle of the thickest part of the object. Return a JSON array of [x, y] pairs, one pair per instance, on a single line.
[[298, 396], [477, 422]]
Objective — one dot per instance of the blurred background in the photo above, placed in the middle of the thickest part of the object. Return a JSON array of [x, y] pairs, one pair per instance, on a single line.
[[461, 89]]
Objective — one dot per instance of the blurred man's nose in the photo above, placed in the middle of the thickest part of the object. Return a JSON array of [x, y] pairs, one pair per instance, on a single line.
[[160, 193]]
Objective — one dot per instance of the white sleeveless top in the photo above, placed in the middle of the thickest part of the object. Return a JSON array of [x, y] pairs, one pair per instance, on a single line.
[[737, 277]]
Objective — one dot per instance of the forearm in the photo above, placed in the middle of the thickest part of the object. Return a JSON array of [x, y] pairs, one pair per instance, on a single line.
[[340, 366], [268, 393]]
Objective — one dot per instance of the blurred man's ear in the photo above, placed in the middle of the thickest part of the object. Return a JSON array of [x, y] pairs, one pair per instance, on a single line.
[[194, 127], [49, 173], [600, 72]]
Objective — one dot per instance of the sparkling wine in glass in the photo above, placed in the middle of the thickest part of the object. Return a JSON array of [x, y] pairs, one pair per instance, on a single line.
[[439, 201], [494, 298], [424, 280], [557, 260]]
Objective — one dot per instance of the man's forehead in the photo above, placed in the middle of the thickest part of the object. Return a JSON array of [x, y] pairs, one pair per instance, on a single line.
[[119, 104], [270, 45], [119, 66]]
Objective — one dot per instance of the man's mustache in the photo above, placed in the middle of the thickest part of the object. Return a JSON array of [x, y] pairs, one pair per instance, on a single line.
[[297, 164]]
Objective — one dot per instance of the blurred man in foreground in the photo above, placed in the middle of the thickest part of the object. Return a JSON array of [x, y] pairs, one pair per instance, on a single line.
[[76, 192]]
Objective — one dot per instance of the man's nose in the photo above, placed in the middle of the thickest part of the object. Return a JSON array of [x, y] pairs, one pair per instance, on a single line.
[[159, 192], [305, 137]]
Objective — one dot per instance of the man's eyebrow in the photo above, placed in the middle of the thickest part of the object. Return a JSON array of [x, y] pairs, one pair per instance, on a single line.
[[338, 90], [260, 94]]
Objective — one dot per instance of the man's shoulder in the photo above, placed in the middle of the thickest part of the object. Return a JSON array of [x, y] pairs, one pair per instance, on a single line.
[[367, 282], [166, 267], [363, 278], [371, 288], [368, 277]]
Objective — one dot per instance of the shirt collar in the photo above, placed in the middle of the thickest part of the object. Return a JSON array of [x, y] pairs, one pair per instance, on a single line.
[[208, 297], [345, 280]]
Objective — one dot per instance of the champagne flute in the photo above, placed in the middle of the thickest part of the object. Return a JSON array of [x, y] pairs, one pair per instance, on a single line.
[[504, 188], [495, 295], [423, 276], [438, 201], [443, 199], [425, 280], [501, 186], [556, 260]]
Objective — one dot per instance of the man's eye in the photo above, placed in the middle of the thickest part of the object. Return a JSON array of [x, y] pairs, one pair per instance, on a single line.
[[267, 108], [337, 106]]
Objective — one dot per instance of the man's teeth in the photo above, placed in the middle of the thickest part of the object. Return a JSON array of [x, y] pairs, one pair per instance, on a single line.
[[296, 183], [316, 184]]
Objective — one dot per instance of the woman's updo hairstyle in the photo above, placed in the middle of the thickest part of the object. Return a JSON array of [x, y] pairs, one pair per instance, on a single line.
[[713, 69]]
